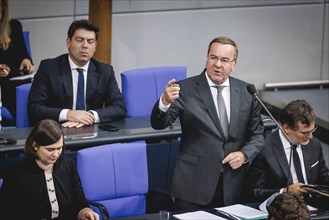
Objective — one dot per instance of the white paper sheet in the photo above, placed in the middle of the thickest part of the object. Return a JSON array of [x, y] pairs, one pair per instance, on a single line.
[[198, 215], [27, 76], [243, 211]]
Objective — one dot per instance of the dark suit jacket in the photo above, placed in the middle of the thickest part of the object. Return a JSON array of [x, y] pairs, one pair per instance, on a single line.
[[16, 51], [24, 193], [269, 171], [13, 57], [52, 91], [203, 145]]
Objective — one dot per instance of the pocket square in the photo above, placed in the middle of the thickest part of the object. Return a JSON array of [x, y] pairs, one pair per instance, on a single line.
[[315, 164]]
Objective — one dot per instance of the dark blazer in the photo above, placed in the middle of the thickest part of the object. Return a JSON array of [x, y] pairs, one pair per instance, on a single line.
[[269, 171], [203, 145], [52, 91], [16, 51], [24, 193]]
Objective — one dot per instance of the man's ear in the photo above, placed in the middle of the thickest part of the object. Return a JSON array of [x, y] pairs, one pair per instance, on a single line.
[[286, 128], [68, 41], [233, 68]]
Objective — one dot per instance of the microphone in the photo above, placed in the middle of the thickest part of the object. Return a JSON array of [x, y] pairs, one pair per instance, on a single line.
[[8, 141], [252, 90]]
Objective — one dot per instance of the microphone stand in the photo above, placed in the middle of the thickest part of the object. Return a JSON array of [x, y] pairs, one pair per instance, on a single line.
[[252, 90]]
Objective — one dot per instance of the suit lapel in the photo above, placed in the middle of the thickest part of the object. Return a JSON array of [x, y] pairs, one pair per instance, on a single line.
[[235, 103], [307, 154], [66, 76], [278, 150], [92, 79], [203, 89]]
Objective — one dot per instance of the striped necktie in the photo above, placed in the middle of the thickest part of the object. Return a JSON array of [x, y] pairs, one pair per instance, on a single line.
[[222, 111]]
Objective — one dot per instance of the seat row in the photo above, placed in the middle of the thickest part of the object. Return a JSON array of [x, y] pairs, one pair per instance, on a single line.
[[141, 88], [114, 178]]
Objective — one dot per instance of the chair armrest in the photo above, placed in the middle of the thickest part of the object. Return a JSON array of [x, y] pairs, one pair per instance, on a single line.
[[101, 208]]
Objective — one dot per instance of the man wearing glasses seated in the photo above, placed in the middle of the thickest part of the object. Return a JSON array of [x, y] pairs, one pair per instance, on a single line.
[[291, 160]]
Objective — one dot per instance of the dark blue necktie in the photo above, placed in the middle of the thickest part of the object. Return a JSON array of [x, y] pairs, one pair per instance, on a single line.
[[297, 164], [80, 93]]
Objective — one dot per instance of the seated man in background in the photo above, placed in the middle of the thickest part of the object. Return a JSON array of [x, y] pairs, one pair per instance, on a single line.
[[271, 172], [74, 88], [288, 206]]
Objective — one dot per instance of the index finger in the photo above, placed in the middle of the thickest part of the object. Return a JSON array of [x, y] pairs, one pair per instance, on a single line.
[[227, 158], [171, 82]]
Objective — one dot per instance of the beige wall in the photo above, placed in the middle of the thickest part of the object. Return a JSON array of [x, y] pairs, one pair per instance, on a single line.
[[279, 40]]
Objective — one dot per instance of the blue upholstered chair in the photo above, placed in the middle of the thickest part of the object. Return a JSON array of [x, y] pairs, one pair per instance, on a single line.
[[116, 176], [141, 88], [22, 95], [6, 115]]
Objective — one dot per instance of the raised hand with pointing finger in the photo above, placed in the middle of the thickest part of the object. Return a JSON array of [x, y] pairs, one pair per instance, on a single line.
[[171, 92]]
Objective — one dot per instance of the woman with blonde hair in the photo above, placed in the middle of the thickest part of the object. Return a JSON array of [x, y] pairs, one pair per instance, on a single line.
[[14, 58]]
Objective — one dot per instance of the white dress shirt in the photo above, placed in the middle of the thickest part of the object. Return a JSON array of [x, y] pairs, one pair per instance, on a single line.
[[287, 150], [75, 77], [225, 93]]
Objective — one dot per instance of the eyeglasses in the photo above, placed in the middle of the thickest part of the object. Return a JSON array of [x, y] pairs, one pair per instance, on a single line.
[[223, 60], [306, 133]]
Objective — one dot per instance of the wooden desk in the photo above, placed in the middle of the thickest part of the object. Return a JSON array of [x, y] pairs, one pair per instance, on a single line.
[[315, 215], [131, 129]]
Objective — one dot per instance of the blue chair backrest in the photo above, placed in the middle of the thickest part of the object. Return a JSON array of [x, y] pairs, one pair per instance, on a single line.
[[6, 115], [22, 95], [116, 176], [141, 88], [26, 35]]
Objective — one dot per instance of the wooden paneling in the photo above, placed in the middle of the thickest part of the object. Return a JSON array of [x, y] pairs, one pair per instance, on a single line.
[[100, 13]]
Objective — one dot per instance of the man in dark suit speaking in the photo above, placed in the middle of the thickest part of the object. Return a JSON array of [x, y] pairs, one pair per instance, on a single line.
[[222, 131], [74, 88]]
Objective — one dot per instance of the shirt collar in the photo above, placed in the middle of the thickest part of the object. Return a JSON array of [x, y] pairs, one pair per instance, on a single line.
[[73, 66], [212, 84], [285, 142]]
